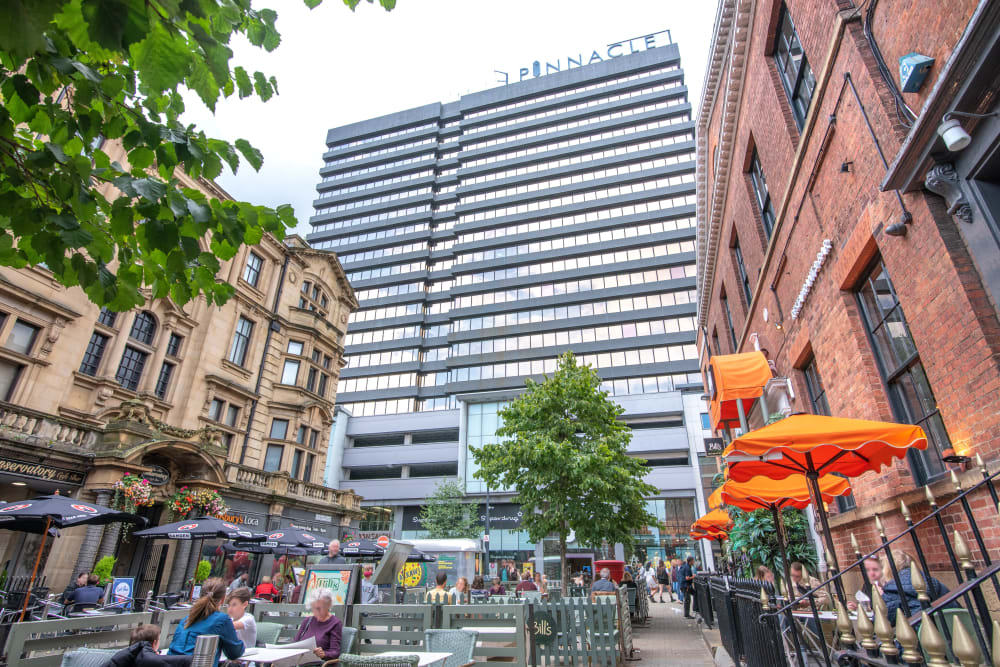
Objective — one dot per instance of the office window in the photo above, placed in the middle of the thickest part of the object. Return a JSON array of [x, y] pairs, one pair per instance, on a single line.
[[290, 373], [9, 374], [741, 267], [729, 321], [307, 472], [95, 352], [232, 415], [296, 463], [143, 328], [251, 272], [241, 341], [174, 345], [107, 317], [130, 369], [311, 379], [295, 347], [909, 391], [272, 458], [22, 337], [163, 381], [313, 437], [215, 409], [279, 429], [793, 67], [759, 183]]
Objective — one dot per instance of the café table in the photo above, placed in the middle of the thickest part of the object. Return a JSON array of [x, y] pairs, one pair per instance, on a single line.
[[275, 656], [427, 659]]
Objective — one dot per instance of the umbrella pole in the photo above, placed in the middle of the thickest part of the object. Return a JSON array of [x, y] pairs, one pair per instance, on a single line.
[[34, 571], [779, 522], [817, 499]]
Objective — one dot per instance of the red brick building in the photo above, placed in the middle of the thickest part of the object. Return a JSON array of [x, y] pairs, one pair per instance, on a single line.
[[838, 232]]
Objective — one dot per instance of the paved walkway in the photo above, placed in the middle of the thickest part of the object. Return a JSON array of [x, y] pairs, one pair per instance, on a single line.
[[670, 640]]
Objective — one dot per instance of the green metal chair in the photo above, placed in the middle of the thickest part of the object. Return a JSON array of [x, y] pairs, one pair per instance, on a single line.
[[87, 657], [531, 596], [268, 633], [460, 643], [347, 638], [352, 660]]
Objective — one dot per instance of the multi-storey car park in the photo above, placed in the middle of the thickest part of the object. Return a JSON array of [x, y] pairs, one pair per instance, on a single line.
[[485, 237]]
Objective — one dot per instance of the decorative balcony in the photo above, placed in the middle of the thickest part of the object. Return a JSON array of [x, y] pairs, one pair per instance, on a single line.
[[281, 485], [38, 428]]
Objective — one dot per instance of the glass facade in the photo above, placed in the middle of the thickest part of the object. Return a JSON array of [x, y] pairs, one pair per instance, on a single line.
[[481, 429]]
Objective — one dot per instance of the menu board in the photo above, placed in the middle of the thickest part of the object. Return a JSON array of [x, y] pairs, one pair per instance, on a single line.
[[341, 579]]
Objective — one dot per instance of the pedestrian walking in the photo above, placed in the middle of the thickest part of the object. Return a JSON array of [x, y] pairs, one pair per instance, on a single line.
[[662, 580], [686, 574]]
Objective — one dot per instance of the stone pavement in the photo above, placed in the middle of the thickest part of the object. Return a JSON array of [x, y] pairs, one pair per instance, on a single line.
[[670, 640]]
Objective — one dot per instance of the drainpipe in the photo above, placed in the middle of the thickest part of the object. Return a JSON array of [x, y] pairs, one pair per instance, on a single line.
[[272, 326]]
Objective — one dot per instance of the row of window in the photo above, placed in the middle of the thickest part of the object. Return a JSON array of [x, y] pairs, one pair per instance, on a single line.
[[404, 356], [391, 290], [370, 185], [573, 124], [569, 264], [383, 335], [573, 91], [380, 234], [606, 172], [567, 242], [570, 287], [440, 265], [374, 382], [591, 196], [629, 149], [574, 336], [378, 167], [438, 307], [441, 208], [401, 310], [383, 271], [623, 305], [380, 151], [383, 136], [586, 104], [389, 251], [374, 217], [371, 201], [589, 139]]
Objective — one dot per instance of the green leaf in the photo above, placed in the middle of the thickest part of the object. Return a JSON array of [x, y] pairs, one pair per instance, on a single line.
[[204, 83], [313, 4], [23, 24], [141, 158], [149, 189], [163, 58], [243, 82], [262, 86], [253, 156]]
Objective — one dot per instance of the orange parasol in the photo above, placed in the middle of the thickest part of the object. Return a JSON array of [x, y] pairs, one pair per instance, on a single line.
[[715, 500], [695, 535], [765, 493], [735, 378], [716, 521], [804, 444]]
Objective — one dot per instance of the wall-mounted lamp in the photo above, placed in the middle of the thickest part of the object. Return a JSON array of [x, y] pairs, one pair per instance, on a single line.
[[846, 167], [955, 460], [953, 134], [898, 228]]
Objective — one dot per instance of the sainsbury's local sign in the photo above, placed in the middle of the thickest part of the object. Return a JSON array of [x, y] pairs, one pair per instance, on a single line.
[[613, 50]]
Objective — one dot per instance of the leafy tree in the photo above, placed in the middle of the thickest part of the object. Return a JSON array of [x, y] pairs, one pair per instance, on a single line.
[[754, 540], [75, 74], [565, 455], [445, 515]]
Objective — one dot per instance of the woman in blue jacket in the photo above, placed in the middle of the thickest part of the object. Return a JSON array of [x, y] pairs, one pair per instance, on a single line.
[[206, 619], [891, 594]]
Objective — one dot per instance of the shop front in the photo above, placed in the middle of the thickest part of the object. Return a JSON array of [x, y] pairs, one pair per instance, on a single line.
[[670, 537]]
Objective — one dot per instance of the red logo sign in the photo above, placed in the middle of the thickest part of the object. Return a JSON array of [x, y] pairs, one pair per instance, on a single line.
[[188, 526], [230, 526], [383, 541], [308, 536], [276, 536], [14, 508], [85, 508]]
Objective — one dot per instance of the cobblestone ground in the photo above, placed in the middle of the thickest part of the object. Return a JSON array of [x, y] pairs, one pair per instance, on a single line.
[[670, 640]]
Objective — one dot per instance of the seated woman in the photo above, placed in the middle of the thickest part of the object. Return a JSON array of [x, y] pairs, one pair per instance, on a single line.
[[764, 574], [206, 619], [907, 599], [628, 581], [479, 590], [324, 626], [873, 568], [497, 588], [460, 591]]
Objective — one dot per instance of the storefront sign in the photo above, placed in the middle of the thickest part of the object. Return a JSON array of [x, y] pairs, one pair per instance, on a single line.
[[503, 516], [244, 519], [714, 446], [411, 518], [445, 562], [157, 475], [543, 628], [39, 471]]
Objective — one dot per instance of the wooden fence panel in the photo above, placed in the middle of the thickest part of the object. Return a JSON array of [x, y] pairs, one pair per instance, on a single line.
[[42, 643], [290, 616], [391, 625], [495, 641], [585, 632], [169, 621]]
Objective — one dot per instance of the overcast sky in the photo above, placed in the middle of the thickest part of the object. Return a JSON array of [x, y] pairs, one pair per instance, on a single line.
[[334, 67]]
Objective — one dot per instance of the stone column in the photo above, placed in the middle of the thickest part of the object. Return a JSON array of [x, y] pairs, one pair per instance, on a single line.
[[179, 567], [193, 560], [92, 540], [112, 533]]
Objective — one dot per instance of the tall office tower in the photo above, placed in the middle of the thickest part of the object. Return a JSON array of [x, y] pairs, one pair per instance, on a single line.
[[485, 237]]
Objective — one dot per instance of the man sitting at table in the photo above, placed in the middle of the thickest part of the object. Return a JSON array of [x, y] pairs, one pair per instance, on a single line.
[[324, 626], [144, 644], [439, 594], [526, 584], [89, 595], [802, 583]]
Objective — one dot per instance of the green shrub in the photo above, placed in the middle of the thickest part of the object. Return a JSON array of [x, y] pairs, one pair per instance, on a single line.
[[202, 571], [104, 568]]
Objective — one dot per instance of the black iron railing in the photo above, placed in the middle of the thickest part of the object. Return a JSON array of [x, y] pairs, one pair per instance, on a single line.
[[703, 595]]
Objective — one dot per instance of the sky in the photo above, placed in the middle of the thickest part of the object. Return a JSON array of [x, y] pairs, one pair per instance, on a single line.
[[336, 67]]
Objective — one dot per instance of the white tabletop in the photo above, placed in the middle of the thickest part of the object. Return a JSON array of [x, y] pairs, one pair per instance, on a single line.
[[493, 629], [823, 615], [271, 655], [426, 659]]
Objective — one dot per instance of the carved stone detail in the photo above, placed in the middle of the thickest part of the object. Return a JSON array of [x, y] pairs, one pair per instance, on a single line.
[[942, 180]]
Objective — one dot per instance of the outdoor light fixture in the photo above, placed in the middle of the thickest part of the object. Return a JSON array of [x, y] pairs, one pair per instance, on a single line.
[[845, 167], [953, 134], [898, 228]]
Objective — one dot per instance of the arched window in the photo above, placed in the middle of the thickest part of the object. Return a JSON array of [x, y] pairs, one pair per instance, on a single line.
[[144, 327]]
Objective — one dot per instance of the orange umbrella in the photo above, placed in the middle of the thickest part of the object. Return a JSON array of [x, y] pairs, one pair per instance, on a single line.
[[765, 493], [715, 499], [735, 378], [716, 521], [820, 445], [708, 536]]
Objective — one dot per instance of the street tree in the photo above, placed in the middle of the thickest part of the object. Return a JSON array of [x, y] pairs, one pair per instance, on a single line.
[[75, 74], [564, 452], [444, 515]]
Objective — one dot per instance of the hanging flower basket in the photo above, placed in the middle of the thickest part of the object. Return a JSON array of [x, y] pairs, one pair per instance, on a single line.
[[180, 503], [210, 503], [131, 492], [186, 502]]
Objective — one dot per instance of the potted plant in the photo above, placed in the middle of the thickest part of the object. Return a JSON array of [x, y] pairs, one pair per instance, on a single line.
[[104, 568]]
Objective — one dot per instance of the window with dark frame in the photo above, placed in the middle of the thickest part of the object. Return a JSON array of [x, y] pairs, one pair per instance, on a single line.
[[716, 343], [93, 354], [163, 381], [241, 341], [10, 373], [272, 458], [143, 327], [251, 272], [909, 391], [296, 463], [307, 473], [817, 401], [313, 437], [763, 197], [22, 337], [729, 321], [742, 268], [793, 68], [130, 369], [107, 317], [232, 415], [279, 429], [215, 409], [174, 345]]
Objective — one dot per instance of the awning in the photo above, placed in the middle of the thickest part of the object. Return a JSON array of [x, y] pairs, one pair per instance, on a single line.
[[820, 445], [736, 377], [765, 493]]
